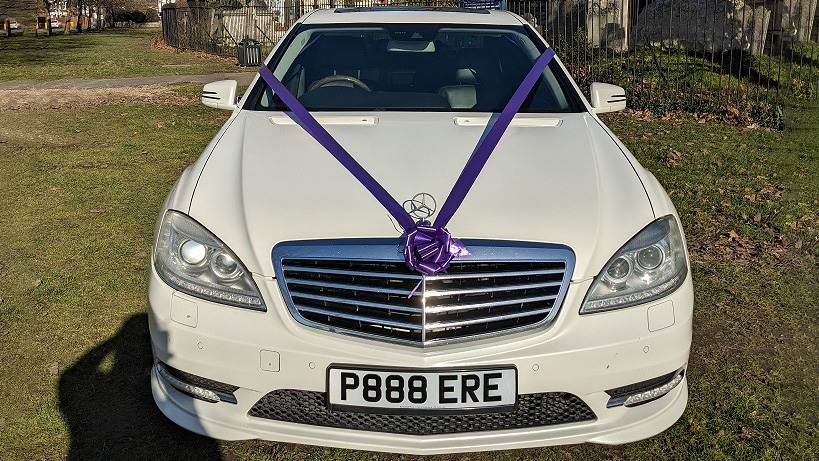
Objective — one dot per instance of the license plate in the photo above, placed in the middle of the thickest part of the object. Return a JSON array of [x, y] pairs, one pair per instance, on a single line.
[[351, 388]]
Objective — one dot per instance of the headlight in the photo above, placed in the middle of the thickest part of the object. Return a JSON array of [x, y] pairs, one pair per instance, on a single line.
[[192, 260], [650, 266]]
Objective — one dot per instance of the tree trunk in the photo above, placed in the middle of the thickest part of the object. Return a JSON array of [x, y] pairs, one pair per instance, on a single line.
[[79, 16], [47, 8]]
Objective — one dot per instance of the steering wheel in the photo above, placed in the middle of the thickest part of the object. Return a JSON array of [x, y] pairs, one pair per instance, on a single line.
[[339, 78]]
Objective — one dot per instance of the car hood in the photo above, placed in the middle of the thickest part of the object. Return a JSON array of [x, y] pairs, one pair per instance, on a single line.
[[558, 178]]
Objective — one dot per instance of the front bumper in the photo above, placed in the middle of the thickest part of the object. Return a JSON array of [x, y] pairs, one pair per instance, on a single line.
[[263, 351]]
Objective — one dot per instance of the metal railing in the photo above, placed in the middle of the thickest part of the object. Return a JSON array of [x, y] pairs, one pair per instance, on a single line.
[[738, 58]]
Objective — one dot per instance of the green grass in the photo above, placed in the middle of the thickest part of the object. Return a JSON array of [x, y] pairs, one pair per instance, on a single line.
[[77, 209], [108, 54]]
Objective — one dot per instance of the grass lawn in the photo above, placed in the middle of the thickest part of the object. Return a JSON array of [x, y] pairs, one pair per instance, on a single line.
[[108, 54], [79, 193]]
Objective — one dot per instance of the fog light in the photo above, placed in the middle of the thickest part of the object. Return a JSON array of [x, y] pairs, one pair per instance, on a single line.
[[645, 391], [191, 389], [653, 393]]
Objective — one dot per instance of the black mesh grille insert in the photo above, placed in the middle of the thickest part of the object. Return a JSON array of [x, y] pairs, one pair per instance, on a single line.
[[533, 410]]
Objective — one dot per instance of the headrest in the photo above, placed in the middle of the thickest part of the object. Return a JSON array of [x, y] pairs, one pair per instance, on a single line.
[[479, 62], [466, 76]]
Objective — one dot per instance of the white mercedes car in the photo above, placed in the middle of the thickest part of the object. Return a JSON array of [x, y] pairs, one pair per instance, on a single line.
[[285, 300]]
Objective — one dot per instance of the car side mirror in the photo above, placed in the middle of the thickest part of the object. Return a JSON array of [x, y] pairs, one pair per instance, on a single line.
[[220, 95], [607, 98]]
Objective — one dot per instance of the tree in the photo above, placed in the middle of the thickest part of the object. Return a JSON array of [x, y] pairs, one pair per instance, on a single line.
[[114, 8], [48, 5], [79, 16]]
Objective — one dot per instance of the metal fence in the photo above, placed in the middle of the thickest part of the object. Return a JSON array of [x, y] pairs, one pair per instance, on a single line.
[[738, 58]]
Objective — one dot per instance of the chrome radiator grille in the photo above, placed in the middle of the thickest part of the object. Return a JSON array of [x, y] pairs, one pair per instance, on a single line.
[[366, 289]]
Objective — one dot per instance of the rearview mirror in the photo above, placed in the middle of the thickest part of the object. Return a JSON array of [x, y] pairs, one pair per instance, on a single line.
[[220, 95], [412, 46], [607, 98]]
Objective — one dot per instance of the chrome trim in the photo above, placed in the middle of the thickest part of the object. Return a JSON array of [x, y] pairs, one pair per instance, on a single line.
[[360, 273], [391, 251], [469, 291], [349, 286], [334, 299], [362, 318], [466, 307], [436, 325], [493, 274]]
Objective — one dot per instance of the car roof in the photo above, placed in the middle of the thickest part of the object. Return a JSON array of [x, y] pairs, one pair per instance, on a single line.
[[388, 14]]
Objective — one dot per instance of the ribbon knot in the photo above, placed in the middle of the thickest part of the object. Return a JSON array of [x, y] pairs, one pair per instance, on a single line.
[[430, 249]]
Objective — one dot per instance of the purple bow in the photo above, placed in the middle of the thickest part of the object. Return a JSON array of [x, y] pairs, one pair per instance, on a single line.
[[430, 249]]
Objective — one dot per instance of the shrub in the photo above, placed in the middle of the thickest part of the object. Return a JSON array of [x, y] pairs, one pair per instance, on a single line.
[[152, 15], [130, 16]]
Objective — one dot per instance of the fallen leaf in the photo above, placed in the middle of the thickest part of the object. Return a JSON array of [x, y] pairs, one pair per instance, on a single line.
[[732, 236], [38, 282], [54, 368]]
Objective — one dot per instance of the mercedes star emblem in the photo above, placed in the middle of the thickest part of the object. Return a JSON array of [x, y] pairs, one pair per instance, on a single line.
[[421, 206]]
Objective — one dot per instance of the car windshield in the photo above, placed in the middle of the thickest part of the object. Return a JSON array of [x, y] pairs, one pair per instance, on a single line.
[[417, 67]]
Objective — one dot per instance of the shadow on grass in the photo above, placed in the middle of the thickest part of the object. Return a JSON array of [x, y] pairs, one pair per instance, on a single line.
[[105, 398]]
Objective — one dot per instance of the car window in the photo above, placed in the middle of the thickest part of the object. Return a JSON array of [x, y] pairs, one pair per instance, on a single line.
[[420, 67]]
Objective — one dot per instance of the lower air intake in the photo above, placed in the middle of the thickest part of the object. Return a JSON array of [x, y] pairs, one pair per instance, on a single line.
[[533, 410]]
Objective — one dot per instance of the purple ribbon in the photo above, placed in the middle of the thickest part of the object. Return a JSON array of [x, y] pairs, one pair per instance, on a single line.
[[314, 128], [488, 143], [430, 247]]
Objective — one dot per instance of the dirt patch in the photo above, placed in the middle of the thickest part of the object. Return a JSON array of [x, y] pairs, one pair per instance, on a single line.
[[27, 136], [40, 99], [160, 45]]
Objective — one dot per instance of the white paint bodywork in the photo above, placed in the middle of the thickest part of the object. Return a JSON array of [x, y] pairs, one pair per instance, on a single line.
[[559, 178]]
